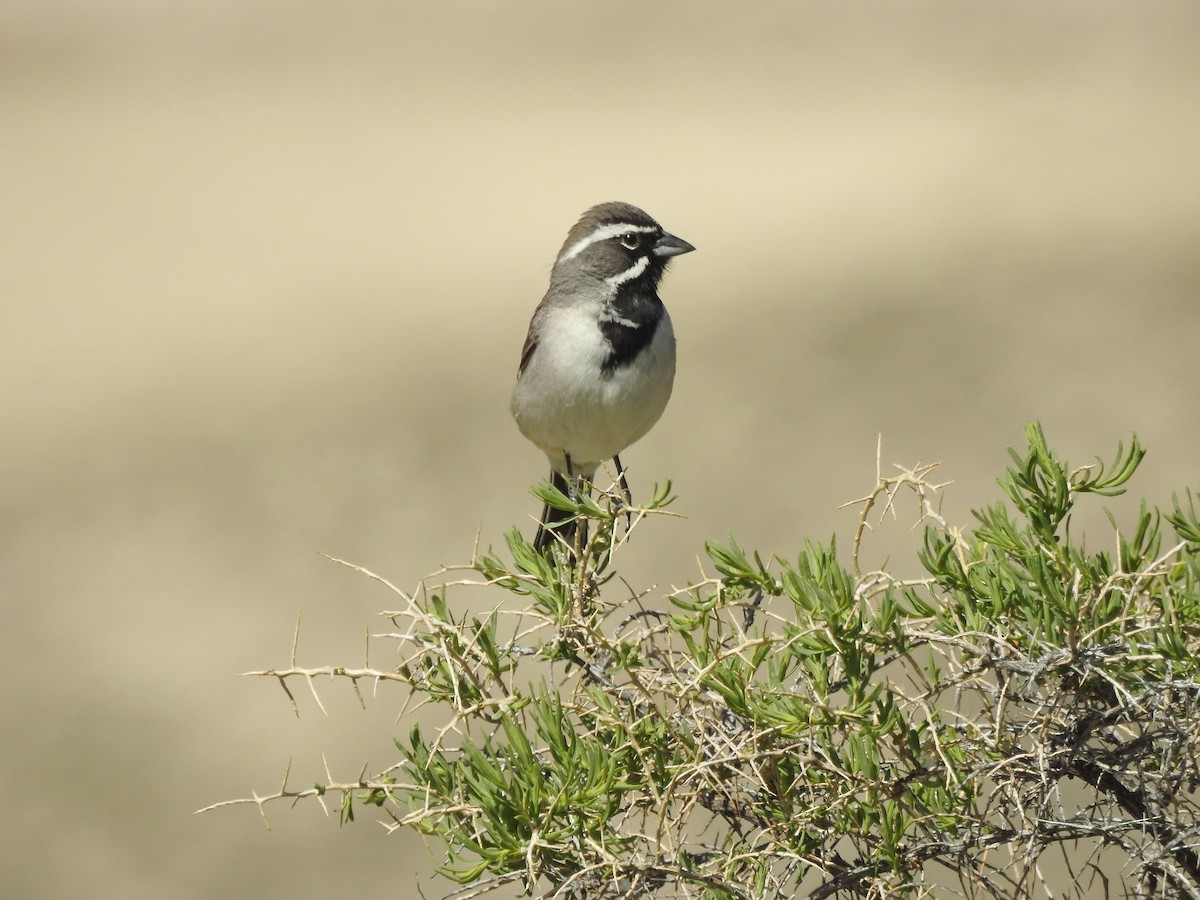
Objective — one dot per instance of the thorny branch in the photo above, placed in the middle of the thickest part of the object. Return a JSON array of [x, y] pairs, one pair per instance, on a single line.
[[1021, 724]]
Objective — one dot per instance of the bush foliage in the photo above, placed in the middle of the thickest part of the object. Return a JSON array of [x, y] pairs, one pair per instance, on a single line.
[[1020, 721]]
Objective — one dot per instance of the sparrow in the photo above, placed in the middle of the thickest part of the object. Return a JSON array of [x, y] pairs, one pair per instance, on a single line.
[[599, 359]]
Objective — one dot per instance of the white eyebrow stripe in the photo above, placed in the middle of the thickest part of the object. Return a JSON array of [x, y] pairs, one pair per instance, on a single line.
[[603, 233], [629, 274]]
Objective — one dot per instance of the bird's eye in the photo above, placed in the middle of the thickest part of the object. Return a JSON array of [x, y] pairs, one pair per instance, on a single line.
[[630, 240]]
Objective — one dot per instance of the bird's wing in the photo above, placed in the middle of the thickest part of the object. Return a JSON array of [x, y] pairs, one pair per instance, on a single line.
[[531, 343]]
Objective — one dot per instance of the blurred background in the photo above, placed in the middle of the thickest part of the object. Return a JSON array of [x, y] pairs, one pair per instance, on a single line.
[[265, 271]]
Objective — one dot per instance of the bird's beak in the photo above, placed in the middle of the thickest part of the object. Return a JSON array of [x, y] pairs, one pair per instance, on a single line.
[[668, 245]]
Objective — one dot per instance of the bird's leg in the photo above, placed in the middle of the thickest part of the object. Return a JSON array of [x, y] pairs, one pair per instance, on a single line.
[[580, 487], [626, 494]]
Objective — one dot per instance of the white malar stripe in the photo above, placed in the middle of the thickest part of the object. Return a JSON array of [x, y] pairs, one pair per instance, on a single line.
[[603, 233], [608, 315], [629, 274]]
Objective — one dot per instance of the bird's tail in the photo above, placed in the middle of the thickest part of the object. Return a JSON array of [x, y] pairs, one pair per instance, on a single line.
[[558, 524]]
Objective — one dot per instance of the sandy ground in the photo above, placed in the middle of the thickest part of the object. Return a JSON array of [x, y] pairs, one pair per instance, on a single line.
[[264, 275]]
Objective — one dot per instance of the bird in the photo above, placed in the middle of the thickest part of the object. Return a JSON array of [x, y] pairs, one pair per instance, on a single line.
[[598, 362]]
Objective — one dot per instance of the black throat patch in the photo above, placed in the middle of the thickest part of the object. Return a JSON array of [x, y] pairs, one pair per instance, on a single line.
[[628, 323]]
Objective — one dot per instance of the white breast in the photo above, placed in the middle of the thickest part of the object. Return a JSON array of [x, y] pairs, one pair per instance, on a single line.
[[564, 405]]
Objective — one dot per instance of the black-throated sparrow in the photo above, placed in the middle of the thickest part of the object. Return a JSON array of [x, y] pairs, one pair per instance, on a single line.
[[599, 360]]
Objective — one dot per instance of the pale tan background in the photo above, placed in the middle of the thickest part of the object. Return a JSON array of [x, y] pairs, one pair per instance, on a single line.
[[265, 269]]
